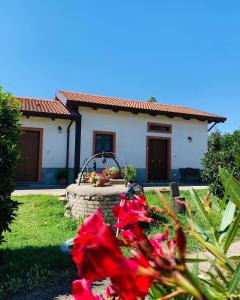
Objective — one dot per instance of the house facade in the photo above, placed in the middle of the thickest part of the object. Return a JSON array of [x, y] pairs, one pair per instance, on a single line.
[[63, 133]]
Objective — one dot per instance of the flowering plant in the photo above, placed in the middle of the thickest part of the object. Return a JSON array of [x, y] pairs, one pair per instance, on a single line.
[[97, 255], [157, 267], [98, 179], [86, 177]]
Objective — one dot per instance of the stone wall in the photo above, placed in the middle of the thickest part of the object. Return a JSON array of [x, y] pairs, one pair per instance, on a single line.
[[84, 199]]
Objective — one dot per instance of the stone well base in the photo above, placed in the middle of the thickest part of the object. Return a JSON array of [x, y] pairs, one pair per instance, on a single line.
[[85, 199]]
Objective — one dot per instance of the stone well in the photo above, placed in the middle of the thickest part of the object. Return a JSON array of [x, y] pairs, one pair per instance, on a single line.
[[84, 199]]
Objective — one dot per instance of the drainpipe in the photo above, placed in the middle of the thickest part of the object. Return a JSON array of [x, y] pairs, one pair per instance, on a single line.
[[212, 126], [67, 154], [78, 130]]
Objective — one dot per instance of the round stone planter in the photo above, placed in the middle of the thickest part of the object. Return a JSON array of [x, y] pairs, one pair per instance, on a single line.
[[85, 199]]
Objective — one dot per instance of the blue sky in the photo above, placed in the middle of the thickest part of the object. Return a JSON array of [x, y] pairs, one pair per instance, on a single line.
[[182, 52]]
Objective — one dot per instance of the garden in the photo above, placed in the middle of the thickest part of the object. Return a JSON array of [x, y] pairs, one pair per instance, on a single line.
[[151, 252]]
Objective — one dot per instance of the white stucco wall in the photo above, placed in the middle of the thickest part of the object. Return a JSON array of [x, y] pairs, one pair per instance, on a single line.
[[54, 143], [131, 133]]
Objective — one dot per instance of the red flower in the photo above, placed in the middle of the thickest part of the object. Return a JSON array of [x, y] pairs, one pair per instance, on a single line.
[[96, 251], [131, 211], [130, 286], [158, 245], [82, 291]]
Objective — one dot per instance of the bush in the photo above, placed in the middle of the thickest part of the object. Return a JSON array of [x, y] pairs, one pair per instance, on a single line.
[[9, 155], [222, 151], [130, 172]]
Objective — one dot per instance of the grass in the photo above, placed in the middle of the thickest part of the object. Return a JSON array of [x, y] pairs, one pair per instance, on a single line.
[[192, 245], [31, 258]]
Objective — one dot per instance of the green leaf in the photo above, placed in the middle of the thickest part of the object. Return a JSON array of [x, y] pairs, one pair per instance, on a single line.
[[231, 233], [227, 219], [201, 208], [215, 251], [195, 260], [235, 280], [156, 292], [232, 186]]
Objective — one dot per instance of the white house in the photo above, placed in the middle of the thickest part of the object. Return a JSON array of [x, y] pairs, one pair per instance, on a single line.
[[63, 133]]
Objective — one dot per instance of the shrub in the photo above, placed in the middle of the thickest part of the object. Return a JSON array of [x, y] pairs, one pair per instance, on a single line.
[[130, 172], [222, 151], [9, 155]]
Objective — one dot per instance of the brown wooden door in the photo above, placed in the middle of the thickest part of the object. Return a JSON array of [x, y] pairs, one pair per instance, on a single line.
[[158, 159], [28, 145]]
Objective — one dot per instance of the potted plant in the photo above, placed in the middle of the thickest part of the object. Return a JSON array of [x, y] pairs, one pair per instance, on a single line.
[[114, 173], [86, 177], [130, 173], [62, 177], [98, 179]]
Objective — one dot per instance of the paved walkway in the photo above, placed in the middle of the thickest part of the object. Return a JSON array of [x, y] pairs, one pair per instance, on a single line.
[[61, 191]]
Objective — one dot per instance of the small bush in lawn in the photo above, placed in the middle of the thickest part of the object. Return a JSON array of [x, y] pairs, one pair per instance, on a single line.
[[223, 151], [9, 155]]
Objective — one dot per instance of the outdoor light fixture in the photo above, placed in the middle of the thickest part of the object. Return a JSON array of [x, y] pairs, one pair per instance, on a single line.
[[60, 129], [190, 139]]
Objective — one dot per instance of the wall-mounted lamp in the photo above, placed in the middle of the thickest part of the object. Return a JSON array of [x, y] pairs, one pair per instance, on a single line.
[[190, 139], [60, 129]]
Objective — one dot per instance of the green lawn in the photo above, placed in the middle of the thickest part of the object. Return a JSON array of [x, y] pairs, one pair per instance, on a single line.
[[31, 259], [192, 245]]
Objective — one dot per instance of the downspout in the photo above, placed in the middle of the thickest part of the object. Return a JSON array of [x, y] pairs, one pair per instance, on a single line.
[[212, 126], [78, 130], [67, 154]]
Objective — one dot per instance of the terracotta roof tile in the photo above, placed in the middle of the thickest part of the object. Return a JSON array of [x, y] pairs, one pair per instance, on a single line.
[[120, 103], [43, 106]]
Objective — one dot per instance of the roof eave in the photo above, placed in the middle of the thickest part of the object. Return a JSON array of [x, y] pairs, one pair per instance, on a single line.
[[50, 115], [210, 119]]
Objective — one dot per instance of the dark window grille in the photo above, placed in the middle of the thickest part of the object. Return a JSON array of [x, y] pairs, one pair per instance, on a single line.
[[103, 143], [160, 128]]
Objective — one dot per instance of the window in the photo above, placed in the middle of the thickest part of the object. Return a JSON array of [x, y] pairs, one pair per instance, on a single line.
[[161, 128], [103, 142]]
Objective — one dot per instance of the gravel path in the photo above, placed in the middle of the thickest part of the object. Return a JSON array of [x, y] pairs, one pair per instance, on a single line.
[[59, 292]]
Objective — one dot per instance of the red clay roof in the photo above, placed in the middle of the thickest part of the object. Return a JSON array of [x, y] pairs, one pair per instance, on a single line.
[[37, 106], [139, 106]]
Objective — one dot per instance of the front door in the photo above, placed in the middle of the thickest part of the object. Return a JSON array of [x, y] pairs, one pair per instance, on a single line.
[[29, 147], [158, 158]]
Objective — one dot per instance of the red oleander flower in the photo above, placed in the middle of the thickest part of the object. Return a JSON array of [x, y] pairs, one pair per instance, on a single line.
[[160, 250], [96, 251], [130, 286], [131, 211], [82, 291]]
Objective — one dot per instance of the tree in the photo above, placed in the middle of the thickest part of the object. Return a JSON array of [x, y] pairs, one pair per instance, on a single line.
[[9, 155], [223, 151], [152, 99]]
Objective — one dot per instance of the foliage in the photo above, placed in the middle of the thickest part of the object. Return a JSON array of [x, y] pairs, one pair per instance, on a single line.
[[61, 174], [114, 170], [9, 156], [152, 99], [31, 258], [157, 267], [223, 150], [130, 172]]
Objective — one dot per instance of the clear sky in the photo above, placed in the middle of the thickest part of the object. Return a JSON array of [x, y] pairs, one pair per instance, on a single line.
[[182, 52]]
